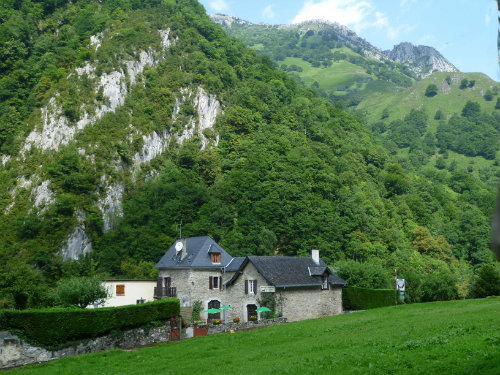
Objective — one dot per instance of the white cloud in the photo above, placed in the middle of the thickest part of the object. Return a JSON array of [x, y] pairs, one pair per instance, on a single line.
[[345, 12], [219, 5], [356, 14], [268, 12]]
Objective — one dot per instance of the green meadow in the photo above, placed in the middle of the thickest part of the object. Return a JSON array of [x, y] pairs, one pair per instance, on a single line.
[[457, 337]]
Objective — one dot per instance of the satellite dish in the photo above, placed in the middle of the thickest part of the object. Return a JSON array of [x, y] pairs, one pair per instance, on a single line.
[[178, 246]]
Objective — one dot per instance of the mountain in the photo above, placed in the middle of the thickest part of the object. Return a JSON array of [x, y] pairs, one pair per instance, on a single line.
[[423, 60], [121, 122]]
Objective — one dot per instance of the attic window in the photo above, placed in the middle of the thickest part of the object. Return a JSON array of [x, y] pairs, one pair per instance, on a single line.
[[120, 290], [324, 282], [215, 258]]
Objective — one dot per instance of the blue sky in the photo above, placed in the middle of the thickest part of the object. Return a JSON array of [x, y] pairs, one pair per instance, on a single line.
[[464, 31]]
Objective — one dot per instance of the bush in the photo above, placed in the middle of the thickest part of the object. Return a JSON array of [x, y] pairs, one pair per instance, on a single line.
[[80, 292], [439, 286], [365, 275], [431, 90], [365, 298], [54, 327], [487, 282]]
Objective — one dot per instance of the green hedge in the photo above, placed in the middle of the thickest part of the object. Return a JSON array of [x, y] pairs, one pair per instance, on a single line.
[[53, 327], [354, 298]]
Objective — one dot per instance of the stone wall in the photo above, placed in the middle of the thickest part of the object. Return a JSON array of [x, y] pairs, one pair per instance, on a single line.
[[16, 352], [244, 325], [310, 303], [235, 293]]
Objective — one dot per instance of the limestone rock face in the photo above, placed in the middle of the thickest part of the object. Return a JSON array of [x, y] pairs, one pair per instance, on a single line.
[[77, 244], [423, 60]]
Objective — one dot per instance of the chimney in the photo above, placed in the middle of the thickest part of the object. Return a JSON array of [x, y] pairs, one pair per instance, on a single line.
[[315, 256]]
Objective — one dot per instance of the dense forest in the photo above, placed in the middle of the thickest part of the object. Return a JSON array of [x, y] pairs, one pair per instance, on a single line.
[[285, 170]]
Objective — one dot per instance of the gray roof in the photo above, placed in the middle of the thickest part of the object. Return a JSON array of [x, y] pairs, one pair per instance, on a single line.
[[317, 271], [196, 254], [235, 264], [290, 271]]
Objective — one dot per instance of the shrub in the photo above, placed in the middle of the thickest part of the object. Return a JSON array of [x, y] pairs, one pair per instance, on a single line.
[[487, 282], [80, 291], [365, 275], [431, 90], [54, 327], [354, 298], [439, 286]]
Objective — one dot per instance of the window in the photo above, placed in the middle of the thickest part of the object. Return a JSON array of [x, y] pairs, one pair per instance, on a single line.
[[250, 286], [324, 282], [120, 290], [216, 258], [215, 282]]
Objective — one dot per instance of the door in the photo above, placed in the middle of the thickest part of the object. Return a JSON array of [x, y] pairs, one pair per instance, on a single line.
[[251, 311], [213, 304]]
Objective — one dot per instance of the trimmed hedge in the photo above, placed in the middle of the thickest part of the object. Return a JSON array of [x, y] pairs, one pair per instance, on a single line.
[[354, 298], [53, 327]]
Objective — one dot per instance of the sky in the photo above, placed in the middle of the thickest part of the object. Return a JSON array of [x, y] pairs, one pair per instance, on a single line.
[[463, 31]]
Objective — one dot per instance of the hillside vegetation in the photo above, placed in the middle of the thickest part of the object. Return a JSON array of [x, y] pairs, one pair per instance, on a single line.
[[431, 338], [279, 171]]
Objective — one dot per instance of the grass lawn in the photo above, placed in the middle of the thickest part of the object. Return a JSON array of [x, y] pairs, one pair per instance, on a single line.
[[458, 337]]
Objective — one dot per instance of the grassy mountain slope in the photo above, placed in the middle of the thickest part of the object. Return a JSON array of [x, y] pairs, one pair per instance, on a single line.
[[450, 98], [162, 117]]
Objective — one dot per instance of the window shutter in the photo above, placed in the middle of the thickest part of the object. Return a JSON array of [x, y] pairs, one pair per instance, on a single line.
[[210, 283], [159, 282], [220, 282], [120, 290], [246, 286], [167, 282], [255, 287]]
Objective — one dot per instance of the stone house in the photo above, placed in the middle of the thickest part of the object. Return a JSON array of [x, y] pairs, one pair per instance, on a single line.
[[198, 269]]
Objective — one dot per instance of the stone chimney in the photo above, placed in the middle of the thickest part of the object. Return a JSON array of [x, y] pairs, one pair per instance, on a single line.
[[315, 256]]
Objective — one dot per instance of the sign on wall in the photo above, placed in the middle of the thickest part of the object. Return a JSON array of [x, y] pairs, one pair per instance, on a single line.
[[401, 284], [267, 289]]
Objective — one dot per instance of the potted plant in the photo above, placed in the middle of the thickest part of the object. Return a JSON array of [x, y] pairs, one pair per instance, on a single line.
[[253, 318], [236, 320], [216, 322]]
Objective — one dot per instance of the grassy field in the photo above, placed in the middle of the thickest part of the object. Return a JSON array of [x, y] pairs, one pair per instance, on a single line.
[[458, 337]]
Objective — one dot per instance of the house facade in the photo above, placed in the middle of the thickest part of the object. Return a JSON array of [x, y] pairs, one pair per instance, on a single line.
[[198, 269]]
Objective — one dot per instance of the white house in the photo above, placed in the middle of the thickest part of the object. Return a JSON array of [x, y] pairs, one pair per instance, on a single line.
[[129, 292]]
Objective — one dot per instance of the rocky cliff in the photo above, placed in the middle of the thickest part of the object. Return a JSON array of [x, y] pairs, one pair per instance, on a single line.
[[422, 60]]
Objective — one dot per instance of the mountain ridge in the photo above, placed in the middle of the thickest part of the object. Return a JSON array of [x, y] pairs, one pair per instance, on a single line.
[[422, 60]]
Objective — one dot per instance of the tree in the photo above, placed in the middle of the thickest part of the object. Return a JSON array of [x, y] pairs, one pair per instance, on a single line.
[[439, 115], [471, 109], [487, 282], [431, 90], [385, 113], [80, 291], [488, 96], [464, 83]]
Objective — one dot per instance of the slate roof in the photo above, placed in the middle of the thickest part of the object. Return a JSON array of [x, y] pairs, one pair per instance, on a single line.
[[289, 271], [197, 254], [235, 264]]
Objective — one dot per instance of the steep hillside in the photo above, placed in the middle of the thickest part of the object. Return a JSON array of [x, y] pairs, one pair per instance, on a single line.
[[122, 119]]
